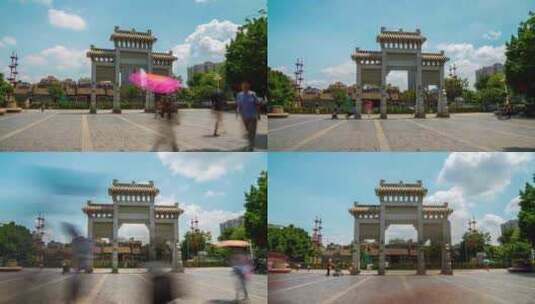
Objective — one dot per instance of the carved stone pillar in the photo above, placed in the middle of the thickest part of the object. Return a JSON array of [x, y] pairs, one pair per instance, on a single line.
[[358, 93], [93, 101], [446, 249], [383, 105], [117, 83], [420, 106], [115, 249], [356, 248], [442, 107], [382, 228]]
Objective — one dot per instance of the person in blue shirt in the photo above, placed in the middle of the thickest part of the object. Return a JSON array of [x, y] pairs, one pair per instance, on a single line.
[[247, 106]]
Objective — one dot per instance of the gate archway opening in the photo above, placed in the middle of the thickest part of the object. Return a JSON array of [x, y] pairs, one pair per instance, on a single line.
[[134, 203], [402, 204], [400, 50]]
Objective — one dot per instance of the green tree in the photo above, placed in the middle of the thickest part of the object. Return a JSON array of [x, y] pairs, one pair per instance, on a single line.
[[281, 91], [481, 83], [255, 218], [233, 233], [474, 242], [16, 243], [408, 97], [455, 87], [5, 89], [526, 216], [193, 242], [203, 85], [246, 56], [520, 62], [130, 92], [56, 92], [291, 241]]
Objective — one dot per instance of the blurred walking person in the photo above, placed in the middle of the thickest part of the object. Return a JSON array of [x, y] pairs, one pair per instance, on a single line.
[[247, 106], [241, 267], [218, 106]]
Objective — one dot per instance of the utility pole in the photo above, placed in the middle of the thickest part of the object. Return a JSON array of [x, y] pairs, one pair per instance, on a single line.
[[299, 80], [38, 238], [316, 235]]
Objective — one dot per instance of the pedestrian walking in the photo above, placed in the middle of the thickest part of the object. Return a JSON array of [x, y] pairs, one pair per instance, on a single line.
[[247, 106], [218, 106]]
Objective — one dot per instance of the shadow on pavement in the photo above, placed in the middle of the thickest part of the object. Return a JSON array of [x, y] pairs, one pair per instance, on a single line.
[[518, 149]]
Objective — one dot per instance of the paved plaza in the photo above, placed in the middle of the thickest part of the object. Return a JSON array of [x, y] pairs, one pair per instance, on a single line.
[[466, 132], [77, 130], [465, 286], [202, 285]]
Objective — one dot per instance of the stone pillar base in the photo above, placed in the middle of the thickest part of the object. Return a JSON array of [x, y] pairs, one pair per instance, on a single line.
[[443, 115], [354, 272], [446, 272], [420, 271], [115, 270], [149, 110], [381, 271], [92, 111], [419, 115], [384, 116], [116, 111], [358, 116]]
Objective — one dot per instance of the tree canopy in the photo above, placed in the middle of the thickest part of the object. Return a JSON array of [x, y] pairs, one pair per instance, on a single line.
[[255, 218], [291, 241], [520, 62], [526, 216], [193, 242], [16, 243], [233, 233], [5, 88], [281, 91], [246, 56]]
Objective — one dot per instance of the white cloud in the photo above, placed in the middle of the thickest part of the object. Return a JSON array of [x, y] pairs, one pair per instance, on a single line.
[[476, 176], [207, 42], [461, 214], [139, 232], [398, 79], [209, 220], [211, 193], [344, 72], [66, 20], [202, 167], [468, 58], [182, 52], [491, 223], [7, 40], [481, 174], [404, 232], [59, 57], [285, 70], [513, 207], [492, 35]]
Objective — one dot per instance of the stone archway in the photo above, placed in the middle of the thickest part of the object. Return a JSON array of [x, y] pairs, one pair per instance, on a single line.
[[400, 51], [134, 203], [402, 204]]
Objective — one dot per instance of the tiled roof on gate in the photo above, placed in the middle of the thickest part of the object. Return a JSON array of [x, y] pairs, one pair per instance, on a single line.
[[132, 35], [99, 52], [395, 36], [164, 56], [435, 57], [118, 187]]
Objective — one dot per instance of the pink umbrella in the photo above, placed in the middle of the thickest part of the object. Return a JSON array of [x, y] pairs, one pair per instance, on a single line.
[[154, 83]]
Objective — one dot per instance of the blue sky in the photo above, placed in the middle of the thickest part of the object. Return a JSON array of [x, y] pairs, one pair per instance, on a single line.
[[51, 36], [481, 185], [210, 186], [324, 33]]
